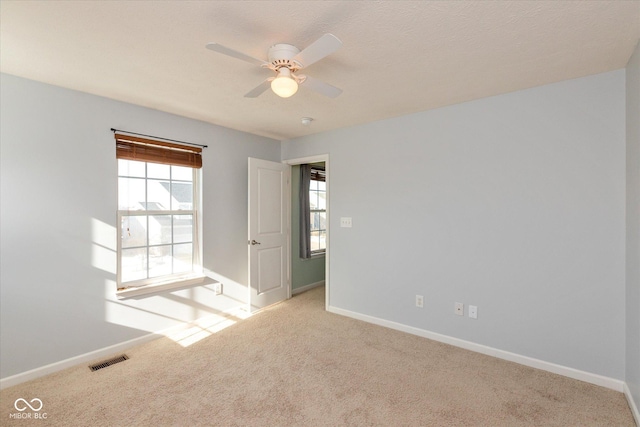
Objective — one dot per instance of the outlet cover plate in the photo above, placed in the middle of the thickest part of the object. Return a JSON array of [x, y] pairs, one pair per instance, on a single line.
[[459, 309], [217, 288], [473, 311], [419, 301]]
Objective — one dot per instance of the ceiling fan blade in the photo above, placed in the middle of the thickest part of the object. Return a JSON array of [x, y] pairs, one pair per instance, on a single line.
[[259, 90], [321, 87], [234, 54], [317, 50]]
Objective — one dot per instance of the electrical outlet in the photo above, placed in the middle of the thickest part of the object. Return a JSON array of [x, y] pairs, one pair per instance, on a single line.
[[473, 311], [217, 288], [419, 301], [459, 309]]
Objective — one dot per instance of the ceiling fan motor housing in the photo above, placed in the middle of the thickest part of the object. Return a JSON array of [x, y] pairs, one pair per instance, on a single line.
[[281, 55]]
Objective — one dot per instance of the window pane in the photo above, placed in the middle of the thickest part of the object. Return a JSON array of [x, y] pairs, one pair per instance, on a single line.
[[130, 168], [134, 264], [134, 231], [322, 220], [315, 240], [156, 170], [158, 245], [323, 240], [322, 200], [158, 198], [182, 258], [181, 173], [182, 228], [160, 262], [322, 186], [159, 229], [131, 194], [314, 221], [313, 200], [181, 196]]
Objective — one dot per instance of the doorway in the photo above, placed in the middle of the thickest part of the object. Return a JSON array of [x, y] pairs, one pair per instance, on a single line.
[[310, 268]]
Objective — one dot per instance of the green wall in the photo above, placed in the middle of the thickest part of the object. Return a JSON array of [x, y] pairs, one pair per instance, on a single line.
[[303, 271]]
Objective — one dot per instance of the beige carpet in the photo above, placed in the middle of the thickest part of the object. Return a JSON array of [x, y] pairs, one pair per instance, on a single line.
[[297, 365]]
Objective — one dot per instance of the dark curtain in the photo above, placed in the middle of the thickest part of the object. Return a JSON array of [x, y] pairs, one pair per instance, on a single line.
[[305, 212]]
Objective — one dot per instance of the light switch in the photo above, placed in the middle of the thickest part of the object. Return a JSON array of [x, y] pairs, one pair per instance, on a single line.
[[345, 222]]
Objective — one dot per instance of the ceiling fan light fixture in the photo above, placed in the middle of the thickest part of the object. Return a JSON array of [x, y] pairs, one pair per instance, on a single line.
[[284, 85]]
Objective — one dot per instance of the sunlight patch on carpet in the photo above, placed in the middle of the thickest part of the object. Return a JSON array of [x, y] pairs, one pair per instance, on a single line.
[[203, 328], [199, 331]]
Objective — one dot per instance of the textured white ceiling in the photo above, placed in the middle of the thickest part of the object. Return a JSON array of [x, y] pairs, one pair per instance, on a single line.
[[398, 57]]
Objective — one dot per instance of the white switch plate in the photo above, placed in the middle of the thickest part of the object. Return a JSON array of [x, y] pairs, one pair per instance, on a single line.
[[473, 311], [419, 301], [345, 222], [459, 309], [217, 288]]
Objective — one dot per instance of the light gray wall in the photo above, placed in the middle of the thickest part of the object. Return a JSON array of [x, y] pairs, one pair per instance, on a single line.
[[514, 203], [633, 226], [303, 271], [58, 217]]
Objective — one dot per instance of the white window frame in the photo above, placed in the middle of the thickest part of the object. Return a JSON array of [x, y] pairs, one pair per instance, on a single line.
[[322, 251], [170, 281]]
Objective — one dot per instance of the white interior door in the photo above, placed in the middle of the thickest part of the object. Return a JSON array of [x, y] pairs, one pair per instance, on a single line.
[[268, 233]]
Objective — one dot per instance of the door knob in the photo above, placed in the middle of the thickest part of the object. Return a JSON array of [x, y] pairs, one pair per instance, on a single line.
[[253, 242]]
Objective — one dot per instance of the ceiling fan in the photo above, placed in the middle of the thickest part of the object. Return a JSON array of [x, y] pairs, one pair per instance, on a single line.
[[286, 60]]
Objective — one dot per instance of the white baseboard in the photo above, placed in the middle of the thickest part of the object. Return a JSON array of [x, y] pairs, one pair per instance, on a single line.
[[632, 404], [76, 360], [306, 288], [596, 379], [92, 356]]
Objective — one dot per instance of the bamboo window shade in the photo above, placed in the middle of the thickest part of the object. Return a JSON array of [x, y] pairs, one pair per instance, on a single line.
[[150, 150], [318, 174]]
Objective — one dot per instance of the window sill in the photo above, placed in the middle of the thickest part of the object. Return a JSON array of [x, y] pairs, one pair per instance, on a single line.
[[314, 256], [159, 287]]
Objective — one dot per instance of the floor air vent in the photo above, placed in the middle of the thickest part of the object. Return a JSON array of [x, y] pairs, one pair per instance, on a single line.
[[109, 362]]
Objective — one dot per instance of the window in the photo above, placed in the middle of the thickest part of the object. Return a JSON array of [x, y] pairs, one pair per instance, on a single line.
[[158, 222], [313, 210], [317, 211]]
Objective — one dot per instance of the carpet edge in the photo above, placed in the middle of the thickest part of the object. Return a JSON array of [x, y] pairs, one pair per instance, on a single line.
[[632, 404], [596, 379], [75, 360]]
